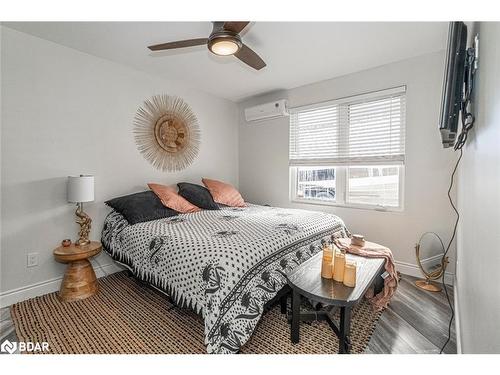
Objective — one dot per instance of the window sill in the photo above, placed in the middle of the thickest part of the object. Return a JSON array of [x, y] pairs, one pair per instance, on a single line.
[[349, 205]]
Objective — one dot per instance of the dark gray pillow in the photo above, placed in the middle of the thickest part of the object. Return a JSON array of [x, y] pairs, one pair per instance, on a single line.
[[197, 195], [140, 207]]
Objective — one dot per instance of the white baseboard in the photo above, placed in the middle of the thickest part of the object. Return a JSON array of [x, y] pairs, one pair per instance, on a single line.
[[413, 270], [12, 296]]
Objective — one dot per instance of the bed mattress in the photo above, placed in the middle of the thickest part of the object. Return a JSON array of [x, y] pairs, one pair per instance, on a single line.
[[225, 264]]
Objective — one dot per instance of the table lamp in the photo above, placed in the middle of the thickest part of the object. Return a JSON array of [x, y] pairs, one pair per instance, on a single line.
[[80, 190]]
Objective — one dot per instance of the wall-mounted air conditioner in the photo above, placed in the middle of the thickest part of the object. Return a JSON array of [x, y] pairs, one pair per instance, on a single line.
[[278, 108]]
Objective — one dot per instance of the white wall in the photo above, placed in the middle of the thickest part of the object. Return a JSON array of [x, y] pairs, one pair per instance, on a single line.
[[478, 253], [1, 31], [64, 113], [264, 172]]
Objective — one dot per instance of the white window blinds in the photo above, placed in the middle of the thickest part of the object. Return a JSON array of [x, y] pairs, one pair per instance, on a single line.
[[361, 130]]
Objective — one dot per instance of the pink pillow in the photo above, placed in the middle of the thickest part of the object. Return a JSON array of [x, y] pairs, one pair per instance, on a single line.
[[224, 193], [171, 199]]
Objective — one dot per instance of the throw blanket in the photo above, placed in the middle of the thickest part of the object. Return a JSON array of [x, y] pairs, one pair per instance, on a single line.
[[373, 250], [225, 264]]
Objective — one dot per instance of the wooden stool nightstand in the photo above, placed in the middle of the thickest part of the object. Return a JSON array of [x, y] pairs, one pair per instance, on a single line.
[[79, 281]]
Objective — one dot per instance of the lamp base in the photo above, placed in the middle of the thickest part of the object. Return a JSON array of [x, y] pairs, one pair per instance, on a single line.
[[428, 286], [85, 224], [82, 242]]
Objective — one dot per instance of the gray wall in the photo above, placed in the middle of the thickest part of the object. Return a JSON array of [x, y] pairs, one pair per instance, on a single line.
[[264, 172], [65, 112], [478, 255]]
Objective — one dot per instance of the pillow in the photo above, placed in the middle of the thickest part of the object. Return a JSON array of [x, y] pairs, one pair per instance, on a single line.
[[197, 195], [140, 207], [171, 199], [224, 193]]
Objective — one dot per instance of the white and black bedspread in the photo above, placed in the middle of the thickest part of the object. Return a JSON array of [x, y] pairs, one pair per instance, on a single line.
[[225, 264]]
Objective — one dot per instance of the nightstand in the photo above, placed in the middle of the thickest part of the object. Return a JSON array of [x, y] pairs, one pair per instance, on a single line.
[[79, 281]]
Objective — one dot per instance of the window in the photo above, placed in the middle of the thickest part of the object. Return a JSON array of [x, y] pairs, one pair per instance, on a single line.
[[350, 151], [373, 186], [316, 183]]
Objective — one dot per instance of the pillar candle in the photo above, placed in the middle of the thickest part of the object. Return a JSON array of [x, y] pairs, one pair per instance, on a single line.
[[328, 250], [338, 266], [350, 274], [326, 263], [326, 268]]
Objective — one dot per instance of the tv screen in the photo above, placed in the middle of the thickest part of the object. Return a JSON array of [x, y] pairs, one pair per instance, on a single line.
[[453, 83]]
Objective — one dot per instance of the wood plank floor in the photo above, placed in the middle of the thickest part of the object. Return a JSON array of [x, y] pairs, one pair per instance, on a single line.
[[415, 322], [7, 330]]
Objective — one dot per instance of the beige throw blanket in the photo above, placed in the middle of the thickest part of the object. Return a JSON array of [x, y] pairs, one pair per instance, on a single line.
[[373, 250]]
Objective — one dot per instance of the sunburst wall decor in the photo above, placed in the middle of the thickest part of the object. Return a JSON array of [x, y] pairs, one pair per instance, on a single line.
[[166, 132]]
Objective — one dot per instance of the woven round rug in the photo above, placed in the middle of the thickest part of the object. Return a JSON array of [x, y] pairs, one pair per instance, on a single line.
[[127, 316]]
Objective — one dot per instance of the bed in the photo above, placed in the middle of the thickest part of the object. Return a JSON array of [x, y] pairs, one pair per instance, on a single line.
[[224, 264]]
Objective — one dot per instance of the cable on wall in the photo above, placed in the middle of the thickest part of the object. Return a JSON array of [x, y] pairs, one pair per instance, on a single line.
[[448, 249], [467, 123]]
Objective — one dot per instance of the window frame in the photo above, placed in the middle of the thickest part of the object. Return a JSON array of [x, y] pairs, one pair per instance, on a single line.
[[341, 186], [341, 169]]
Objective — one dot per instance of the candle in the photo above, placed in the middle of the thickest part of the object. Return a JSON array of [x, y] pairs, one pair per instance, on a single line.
[[326, 268], [338, 266], [350, 274], [326, 264], [328, 250], [335, 248]]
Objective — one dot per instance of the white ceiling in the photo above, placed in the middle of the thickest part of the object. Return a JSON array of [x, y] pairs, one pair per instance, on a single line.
[[296, 53]]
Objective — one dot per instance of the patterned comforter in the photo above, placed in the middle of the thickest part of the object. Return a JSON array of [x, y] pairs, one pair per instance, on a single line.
[[224, 264]]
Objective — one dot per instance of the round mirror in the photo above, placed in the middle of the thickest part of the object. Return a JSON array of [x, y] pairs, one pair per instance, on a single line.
[[429, 251]]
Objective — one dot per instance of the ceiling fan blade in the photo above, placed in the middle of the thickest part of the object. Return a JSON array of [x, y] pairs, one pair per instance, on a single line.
[[250, 58], [179, 44], [235, 26]]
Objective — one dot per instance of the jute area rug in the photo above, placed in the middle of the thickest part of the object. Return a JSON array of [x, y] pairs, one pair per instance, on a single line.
[[129, 317]]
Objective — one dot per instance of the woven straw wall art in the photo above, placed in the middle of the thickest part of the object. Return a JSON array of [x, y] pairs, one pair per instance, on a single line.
[[167, 133]]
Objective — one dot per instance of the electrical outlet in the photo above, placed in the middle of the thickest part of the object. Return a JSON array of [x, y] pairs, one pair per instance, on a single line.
[[32, 260]]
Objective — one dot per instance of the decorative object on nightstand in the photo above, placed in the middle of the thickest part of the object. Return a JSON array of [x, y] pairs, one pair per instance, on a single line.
[[430, 260], [80, 190], [79, 281], [65, 243]]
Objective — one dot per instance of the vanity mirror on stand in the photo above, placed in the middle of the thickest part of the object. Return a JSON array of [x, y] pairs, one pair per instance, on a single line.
[[431, 261]]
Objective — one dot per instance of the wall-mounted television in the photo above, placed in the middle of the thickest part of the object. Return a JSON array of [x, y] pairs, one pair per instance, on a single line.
[[453, 84]]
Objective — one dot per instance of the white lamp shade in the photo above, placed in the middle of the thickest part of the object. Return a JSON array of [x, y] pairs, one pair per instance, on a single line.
[[80, 189]]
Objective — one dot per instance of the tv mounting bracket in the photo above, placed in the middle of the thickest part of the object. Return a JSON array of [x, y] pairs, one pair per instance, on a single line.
[[471, 66]]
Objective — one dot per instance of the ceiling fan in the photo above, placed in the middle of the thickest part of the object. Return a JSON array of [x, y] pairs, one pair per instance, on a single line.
[[224, 40]]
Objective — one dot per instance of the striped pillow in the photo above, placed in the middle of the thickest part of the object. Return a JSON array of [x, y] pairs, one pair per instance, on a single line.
[[171, 199], [224, 193]]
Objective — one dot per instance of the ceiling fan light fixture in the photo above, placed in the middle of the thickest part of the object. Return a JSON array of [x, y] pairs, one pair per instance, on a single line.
[[224, 45], [225, 40]]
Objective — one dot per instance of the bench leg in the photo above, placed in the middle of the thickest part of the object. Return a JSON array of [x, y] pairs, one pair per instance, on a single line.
[[379, 283], [345, 326], [295, 316], [284, 303]]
